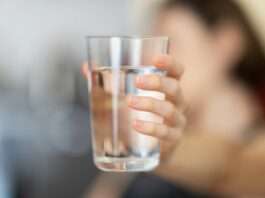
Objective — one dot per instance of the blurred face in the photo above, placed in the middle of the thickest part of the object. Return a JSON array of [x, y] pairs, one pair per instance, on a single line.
[[194, 47]]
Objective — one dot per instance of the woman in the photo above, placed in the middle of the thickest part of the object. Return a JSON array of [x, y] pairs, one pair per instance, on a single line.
[[224, 63]]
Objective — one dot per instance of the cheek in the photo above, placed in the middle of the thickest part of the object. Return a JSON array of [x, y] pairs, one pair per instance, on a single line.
[[192, 47], [192, 86], [199, 75], [198, 84]]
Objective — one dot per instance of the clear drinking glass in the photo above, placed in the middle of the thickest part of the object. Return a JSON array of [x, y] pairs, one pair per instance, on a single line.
[[113, 63]]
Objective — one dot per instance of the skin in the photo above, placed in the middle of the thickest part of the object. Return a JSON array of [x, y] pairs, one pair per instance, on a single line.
[[213, 154], [203, 147]]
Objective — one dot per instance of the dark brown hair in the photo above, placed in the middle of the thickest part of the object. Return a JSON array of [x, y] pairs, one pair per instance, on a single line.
[[251, 68]]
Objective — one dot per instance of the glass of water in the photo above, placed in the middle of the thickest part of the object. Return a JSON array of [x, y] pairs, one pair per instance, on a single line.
[[114, 62]]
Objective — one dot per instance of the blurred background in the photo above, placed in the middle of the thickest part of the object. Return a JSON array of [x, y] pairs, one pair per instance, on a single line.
[[44, 133]]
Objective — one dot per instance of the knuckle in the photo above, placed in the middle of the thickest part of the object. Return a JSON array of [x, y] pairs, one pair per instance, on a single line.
[[178, 67], [174, 87], [178, 70], [164, 131], [171, 112], [180, 120]]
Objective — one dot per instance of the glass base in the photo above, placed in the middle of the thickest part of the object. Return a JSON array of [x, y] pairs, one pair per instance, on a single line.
[[112, 164]]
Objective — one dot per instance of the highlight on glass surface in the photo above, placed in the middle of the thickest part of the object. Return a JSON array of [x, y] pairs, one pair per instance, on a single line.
[[114, 63]]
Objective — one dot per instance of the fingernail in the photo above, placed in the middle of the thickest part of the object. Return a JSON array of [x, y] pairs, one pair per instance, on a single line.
[[137, 124], [140, 80], [132, 100], [159, 61]]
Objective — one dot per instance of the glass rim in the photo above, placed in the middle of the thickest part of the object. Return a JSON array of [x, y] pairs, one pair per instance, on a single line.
[[126, 37]]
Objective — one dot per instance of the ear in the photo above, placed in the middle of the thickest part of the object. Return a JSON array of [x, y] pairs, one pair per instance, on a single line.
[[230, 42]]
